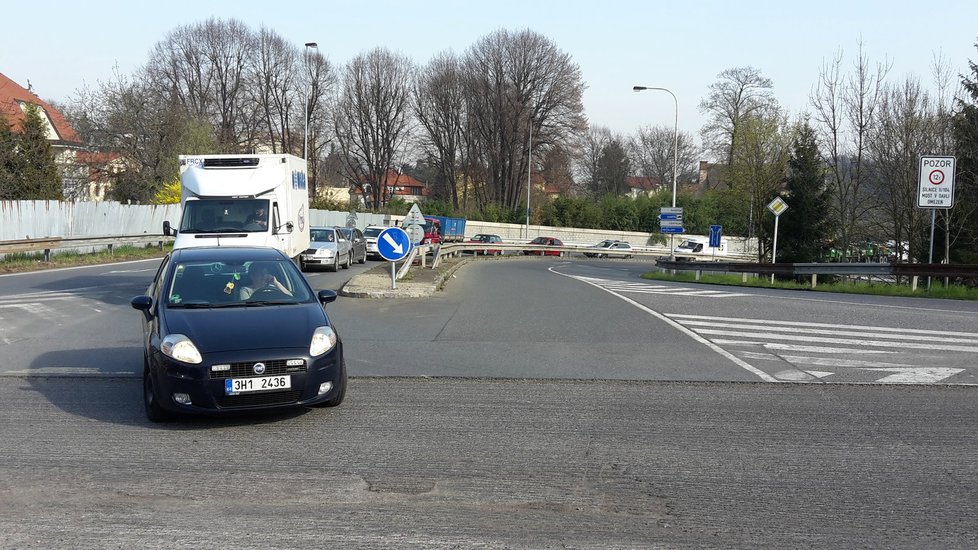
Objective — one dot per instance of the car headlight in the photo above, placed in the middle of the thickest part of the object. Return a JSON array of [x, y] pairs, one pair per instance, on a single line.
[[326, 252], [323, 340], [180, 348]]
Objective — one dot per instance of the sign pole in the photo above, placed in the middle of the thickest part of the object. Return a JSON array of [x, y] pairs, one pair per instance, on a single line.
[[774, 247], [393, 277], [930, 257]]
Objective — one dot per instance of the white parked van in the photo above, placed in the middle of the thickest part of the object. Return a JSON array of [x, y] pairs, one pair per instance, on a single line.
[[243, 200], [693, 248]]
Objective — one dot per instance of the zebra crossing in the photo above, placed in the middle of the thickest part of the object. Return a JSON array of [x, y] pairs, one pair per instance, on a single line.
[[652, 288], [795, 351]]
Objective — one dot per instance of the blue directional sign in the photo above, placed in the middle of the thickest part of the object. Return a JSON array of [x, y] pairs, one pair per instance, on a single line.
[[671, 230], [670, 216], [393, 244], [715, 232]]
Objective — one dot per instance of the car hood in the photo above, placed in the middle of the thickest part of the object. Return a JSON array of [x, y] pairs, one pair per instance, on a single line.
[[323, 244], [245, 328]]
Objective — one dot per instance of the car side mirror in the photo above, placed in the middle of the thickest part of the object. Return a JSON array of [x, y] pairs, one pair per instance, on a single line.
[[167, 230], [326, 296], [142, 303]]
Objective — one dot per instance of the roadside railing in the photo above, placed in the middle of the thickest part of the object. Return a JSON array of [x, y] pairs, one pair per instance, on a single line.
[[912, 272], [47, 245]]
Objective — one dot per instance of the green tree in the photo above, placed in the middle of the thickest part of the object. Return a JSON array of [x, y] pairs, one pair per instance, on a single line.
[[804, 230], [965, 248], [614, 166], [8, 162], [39, 177]]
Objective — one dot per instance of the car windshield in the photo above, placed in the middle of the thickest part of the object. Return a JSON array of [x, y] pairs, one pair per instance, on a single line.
[[216, 284], [372, 231], [225, 216], [322, 235], [346, 232]]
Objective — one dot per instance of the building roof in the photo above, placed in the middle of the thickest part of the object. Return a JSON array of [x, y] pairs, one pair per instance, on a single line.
[[643, 183], [12, 95]]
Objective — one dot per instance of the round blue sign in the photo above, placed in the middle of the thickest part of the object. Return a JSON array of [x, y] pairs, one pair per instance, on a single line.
[[393, 244]]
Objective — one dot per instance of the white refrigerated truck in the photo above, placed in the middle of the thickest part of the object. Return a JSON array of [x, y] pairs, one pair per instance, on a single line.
[[243, 200]]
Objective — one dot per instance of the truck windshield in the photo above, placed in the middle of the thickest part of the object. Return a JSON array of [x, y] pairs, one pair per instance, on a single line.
[[225, 216]]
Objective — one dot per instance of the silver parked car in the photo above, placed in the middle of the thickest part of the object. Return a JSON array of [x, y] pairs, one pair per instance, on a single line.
[[358, 243], [371, 233], [328, 248], [610, 248]]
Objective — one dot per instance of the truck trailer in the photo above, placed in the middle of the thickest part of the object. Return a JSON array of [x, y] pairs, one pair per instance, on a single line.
[[443, 229], [243, 200]]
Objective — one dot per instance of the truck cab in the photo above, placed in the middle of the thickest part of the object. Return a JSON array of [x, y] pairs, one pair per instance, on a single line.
[[243, 200]]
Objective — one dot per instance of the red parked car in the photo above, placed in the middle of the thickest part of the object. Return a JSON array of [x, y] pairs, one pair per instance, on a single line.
[[545, 241]]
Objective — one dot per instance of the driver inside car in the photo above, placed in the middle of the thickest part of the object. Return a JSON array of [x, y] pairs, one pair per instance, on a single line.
[[259, 278]]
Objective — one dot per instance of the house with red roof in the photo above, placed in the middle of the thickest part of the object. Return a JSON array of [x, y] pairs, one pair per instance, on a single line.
[[14, 100], [398, 185]]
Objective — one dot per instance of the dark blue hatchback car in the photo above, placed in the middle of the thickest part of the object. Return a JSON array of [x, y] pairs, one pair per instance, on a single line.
[[236, 329]]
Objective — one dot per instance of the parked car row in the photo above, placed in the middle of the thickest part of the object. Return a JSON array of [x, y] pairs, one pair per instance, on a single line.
[[334, 247], [340, 247]]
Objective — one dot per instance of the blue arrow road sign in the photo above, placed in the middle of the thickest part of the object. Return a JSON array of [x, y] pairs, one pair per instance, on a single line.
[[715, 232], [670, 216], [393, 244], [671, 230]]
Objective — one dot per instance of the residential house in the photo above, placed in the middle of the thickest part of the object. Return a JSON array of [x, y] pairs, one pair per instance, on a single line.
[[642, 185], [14, 100], [398, 185]]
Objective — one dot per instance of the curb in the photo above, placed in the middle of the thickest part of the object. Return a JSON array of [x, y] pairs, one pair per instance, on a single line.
[[373, 285]]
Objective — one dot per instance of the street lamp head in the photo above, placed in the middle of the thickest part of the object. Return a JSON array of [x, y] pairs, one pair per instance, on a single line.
[[311, 45], [638, 88]]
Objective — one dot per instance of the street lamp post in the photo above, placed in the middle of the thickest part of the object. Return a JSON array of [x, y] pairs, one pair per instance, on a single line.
[[675, 156], [305, 143], [529, 164]]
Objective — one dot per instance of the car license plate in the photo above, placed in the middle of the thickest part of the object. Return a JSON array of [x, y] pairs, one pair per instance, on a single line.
[[234, 386]]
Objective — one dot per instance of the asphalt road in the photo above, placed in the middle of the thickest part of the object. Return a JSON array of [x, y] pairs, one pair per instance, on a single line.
[[533, 403]]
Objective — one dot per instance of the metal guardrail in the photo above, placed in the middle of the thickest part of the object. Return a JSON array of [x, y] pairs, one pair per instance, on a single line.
[[830, 268], [911, 271], [47, 245]]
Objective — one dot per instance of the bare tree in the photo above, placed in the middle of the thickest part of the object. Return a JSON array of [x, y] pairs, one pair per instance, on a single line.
[[905, 128], [273, 87], [524, 98], [203, 65], [844, 108], [737, 94], [373, 119], [440, 107], [653, 150]]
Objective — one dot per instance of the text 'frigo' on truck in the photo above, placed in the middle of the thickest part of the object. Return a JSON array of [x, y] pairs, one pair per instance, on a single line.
[[243, 200]]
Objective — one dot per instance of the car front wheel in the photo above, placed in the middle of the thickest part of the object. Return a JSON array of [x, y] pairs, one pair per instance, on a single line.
[[154, 412]]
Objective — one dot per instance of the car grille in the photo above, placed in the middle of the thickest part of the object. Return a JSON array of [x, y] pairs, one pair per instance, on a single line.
[[247, 369], [258, 399]]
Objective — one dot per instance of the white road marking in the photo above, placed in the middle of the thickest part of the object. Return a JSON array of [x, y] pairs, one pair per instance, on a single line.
[[793, 347], [627, 286], [848, 341], [916, 375], [736, 360], [827, 325], [842, 330]]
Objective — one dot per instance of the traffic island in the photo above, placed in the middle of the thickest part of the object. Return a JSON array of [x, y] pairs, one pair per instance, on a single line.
[[418, 283]]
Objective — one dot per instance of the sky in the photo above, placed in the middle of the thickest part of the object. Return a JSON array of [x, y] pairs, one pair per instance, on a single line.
[[679, 45]]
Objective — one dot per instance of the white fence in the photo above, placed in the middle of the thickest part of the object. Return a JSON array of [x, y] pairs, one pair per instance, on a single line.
[[46, 219]]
